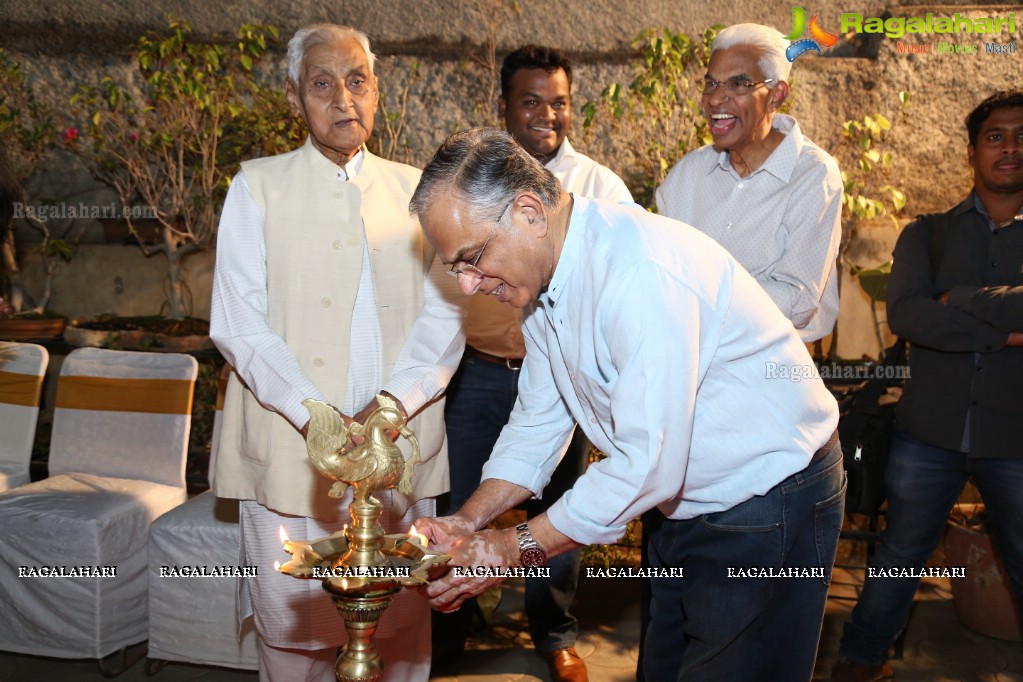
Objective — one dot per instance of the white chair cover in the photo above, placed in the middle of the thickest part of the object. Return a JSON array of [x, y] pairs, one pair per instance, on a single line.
[[22, 368], [195, 620], [117, 459]]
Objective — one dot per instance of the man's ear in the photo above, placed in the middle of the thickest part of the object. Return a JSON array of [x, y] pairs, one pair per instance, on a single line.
[[291, 94], [529, 209], [779, 94], [969, 153], [502, 107]]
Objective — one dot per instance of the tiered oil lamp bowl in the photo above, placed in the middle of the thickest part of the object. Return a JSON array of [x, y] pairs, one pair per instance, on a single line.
[[360, 566]]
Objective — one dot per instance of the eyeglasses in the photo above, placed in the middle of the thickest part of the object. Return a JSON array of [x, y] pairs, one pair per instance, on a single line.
[[736, 87], [468, 271]]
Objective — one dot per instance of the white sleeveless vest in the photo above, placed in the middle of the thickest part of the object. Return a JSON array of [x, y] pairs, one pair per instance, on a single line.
[[314, 254]]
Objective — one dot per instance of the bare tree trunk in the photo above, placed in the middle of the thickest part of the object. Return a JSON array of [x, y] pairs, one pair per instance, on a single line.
[[16, 296], [178, 298]]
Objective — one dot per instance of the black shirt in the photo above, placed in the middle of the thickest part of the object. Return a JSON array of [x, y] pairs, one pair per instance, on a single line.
[[961, 372]]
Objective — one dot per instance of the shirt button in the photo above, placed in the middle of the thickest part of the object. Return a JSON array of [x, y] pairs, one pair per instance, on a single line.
[[336, 244], [325, 301], [317, 362], [740, 185], [337, 195], [594, 420]]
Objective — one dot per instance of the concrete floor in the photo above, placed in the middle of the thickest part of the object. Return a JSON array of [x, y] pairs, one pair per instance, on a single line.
[[938, 648]]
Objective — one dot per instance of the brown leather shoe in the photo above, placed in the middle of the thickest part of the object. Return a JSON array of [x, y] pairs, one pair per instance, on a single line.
[[566, 665], [851, 671]]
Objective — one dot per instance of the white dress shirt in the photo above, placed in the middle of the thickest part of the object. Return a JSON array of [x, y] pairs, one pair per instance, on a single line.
[[583, 176], [659, 344], [782, 222]]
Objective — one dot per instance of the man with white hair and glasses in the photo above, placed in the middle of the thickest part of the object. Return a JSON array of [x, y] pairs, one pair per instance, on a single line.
[[762, 190], [325, 288]]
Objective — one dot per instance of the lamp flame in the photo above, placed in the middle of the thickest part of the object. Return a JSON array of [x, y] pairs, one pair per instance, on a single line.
[[413, 533], [277, 566], [282, 533]]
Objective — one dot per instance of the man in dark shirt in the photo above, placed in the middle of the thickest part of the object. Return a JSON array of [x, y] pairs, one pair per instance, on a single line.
[[956, 293]]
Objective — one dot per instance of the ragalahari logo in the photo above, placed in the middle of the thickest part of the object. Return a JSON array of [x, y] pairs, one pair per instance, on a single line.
[[818, 36]]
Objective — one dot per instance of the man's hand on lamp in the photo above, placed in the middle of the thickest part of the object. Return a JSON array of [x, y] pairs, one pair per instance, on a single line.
[[484, 549]]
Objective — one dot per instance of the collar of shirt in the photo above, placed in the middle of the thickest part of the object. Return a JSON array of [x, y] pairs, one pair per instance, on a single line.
[[326, 168], [566, 156], [570, 250], [973, 202], [782, 160], [350, 170]]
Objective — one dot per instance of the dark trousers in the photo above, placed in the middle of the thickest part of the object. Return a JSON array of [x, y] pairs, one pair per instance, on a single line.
[[924, 482], [714, 624], [479, 403]]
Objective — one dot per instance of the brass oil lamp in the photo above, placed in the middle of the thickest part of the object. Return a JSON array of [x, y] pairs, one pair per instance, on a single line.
[[361, 567]]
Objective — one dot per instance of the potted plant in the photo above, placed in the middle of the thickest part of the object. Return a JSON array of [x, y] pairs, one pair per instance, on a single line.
[[27, 135], [982, 596], [169, 150]]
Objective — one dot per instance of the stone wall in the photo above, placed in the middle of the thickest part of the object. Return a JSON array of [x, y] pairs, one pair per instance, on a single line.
[[61, 44]]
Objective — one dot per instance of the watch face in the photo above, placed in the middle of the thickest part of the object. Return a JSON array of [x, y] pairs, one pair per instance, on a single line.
[[532, 557]]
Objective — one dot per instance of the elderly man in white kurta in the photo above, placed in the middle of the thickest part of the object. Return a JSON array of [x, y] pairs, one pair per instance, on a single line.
[[326, 289]]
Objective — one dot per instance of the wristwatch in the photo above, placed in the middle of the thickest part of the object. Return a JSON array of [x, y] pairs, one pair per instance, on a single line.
[[531, 554]]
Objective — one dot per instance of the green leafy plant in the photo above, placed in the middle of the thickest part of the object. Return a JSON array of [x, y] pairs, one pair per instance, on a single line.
[[27, 139], [172, 143], [867, 159], [868, 193], [659, 111], [27, 130]]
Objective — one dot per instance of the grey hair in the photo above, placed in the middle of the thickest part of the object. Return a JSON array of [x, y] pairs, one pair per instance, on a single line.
[[488, 168], [769, 41], [308, 37]]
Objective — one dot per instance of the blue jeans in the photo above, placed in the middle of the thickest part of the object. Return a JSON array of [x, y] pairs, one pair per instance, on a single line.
[[479, 403], [923, 483], [711, 626]]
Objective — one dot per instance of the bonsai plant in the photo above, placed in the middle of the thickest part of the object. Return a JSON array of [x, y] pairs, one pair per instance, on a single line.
[[171, 143], [27, 136]]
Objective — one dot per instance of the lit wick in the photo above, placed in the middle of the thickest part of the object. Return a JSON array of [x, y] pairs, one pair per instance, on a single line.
[[414, 534]]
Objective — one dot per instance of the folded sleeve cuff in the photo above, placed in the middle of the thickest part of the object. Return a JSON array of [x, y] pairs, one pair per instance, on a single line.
[[517, 471], [409, 391], [564, 517]]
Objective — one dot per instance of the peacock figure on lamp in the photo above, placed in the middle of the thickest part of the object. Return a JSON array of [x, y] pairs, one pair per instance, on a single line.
[[360, 566]]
